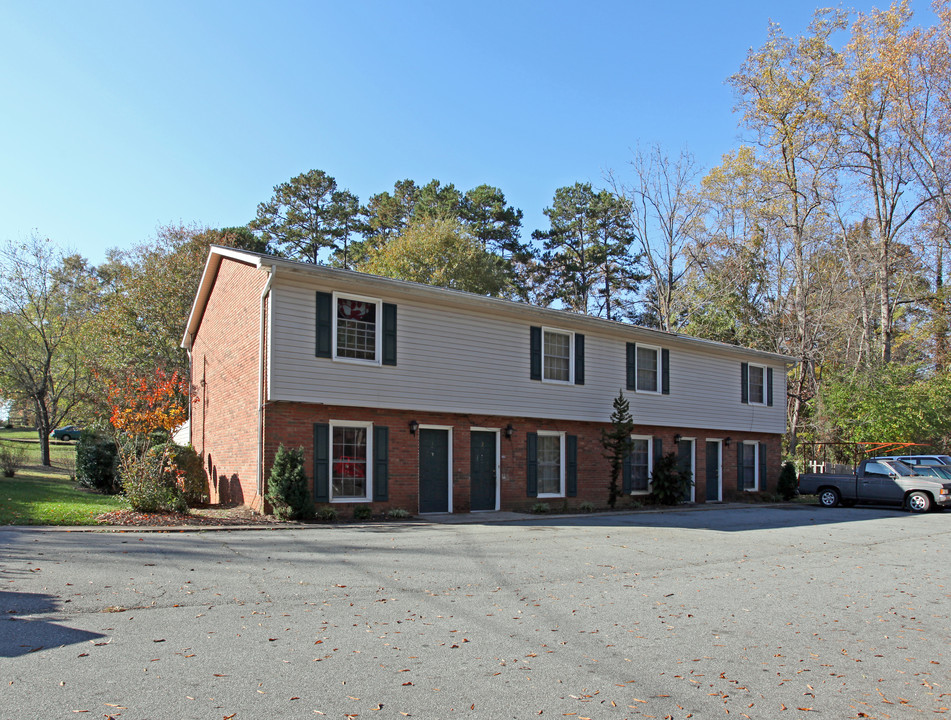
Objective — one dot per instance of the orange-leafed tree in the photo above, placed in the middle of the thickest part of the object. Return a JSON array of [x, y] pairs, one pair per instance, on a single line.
[[145, 412]]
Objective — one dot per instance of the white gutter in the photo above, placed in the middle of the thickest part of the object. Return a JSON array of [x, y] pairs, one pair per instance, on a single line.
[[262, 353]]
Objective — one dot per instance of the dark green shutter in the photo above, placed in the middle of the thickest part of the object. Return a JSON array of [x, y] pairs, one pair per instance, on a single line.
[[579, 359], [381, 463], [631, 366], [531, 464], [571, 472], [627, 474], [324, 325], [762, 466], [665, 371], [389, 334], [745, 383], [657, 452], [321, 462], [739, 466], [536, 353], [769, 386]]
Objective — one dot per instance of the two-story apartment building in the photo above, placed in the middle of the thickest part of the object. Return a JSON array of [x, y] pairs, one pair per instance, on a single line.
[[434, 400]]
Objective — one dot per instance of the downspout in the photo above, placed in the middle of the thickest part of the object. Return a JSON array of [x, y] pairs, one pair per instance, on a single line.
[[262, 356]]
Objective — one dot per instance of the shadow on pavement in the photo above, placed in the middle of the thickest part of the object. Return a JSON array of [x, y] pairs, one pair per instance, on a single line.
[[21, 636], [727, 519]]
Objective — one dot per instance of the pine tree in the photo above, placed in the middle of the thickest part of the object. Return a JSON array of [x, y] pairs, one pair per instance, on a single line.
[[617, 443]]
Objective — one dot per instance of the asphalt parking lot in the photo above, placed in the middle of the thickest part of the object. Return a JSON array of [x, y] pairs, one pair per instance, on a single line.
[[757, 612]]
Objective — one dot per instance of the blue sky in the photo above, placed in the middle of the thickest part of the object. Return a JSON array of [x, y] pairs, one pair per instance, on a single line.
[[120, 117]]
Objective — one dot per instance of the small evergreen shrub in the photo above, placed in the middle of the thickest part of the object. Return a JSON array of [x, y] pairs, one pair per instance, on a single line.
[[397, 514], [11, 459], [327, 513], [96, 465], [586, 507], [287, 487], [670, 485], [362, 512], [788, 485], [541, 508]]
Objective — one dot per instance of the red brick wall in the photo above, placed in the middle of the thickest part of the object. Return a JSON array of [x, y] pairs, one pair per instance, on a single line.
[[292, 425], [225, 378]]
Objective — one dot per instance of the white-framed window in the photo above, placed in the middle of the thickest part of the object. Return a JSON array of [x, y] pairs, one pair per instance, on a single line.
[[351, 466], [551, 464], [642, 463], [750, 465], [647, 369], [356, 328], [756, 384], [557, 355]]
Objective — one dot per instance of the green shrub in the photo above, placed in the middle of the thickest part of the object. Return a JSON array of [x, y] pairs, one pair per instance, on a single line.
[[327, 513], [670, 485], [11, 459], [397, 513], [152, 483], [788, 485], [194, 478], [586, 507], [287, 488], [96, 464], [541, 508], [362, 512]]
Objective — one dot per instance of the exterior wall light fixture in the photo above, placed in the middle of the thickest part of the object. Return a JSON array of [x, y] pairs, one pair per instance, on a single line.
[[509, 430], [413, 427]]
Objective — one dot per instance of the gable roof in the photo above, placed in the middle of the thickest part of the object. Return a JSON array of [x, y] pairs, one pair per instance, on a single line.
[[436, 295]]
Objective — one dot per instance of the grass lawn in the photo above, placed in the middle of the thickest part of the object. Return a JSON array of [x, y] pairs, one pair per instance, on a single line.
[[39, 495]]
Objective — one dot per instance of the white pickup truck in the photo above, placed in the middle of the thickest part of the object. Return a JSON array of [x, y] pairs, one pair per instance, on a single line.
[[878, 481]]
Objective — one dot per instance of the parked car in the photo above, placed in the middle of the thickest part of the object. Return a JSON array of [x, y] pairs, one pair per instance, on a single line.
[[878, 481], [67, 432], [942, 472], [915, 460]]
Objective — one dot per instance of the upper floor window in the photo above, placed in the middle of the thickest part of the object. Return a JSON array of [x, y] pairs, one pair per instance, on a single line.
[[350, 327], [757, 384], [356, 328], [647, 368], [557, 356]]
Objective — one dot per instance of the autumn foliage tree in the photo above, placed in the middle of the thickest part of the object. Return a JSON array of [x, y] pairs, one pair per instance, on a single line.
[[145, 411]]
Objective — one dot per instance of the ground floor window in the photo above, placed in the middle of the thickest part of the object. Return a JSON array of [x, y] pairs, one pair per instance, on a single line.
[[349, 466], [641, 464], [551, 464], [750, 465]]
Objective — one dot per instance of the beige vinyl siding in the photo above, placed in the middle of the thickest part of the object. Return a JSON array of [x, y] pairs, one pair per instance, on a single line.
[[452, 359]]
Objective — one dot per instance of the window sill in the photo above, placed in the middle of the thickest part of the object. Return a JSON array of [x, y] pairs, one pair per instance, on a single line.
[[357, 361]]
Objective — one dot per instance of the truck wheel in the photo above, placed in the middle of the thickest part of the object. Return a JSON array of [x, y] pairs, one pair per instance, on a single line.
[[829, 497], [919, 502]]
